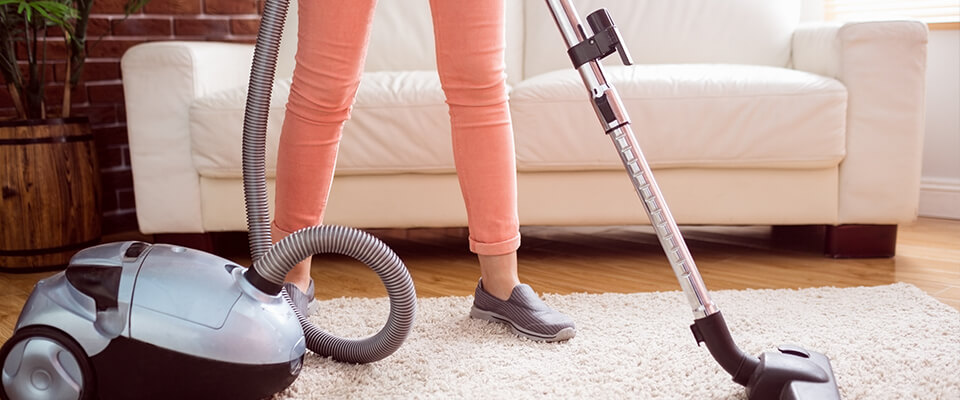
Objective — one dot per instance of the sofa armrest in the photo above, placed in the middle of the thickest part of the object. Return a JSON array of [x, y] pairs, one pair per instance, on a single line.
[[160, 82], [883, 66], [816, 49]]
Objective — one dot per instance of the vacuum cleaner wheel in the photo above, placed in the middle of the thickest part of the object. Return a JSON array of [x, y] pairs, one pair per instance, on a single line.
[[40, 363]]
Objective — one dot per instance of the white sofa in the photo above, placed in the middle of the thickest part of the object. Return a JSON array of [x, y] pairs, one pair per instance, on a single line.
[[747, 116]]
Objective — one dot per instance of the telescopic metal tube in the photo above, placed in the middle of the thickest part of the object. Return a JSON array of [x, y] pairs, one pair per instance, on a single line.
[[609, 108]]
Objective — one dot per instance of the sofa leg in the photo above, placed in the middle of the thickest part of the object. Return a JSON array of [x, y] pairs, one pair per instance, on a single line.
[[861, 241], [839, 241]]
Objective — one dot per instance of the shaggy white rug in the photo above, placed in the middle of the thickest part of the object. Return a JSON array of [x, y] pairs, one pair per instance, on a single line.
[[886, 342]]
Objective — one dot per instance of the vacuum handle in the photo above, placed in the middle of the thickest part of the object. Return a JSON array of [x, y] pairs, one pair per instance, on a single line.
[[601, 22], [613, 116]]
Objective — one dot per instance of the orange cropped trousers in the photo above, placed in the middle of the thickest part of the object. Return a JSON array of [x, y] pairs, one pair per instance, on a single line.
[[331, 48]]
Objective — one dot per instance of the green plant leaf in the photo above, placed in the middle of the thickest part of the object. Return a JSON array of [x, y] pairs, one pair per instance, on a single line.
[[54, 13]]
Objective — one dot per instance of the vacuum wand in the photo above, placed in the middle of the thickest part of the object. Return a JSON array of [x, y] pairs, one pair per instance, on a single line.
[[789, 373], [586, 52]]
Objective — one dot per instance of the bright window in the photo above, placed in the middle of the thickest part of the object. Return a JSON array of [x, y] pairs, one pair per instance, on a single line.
[[930, 11]]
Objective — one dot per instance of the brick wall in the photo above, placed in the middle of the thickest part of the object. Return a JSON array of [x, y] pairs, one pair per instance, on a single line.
[[99, 95]]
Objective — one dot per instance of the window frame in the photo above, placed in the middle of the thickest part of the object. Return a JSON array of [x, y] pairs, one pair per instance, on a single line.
[[940, 25]]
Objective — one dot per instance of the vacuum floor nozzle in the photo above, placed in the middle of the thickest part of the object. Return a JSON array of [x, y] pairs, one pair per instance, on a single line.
[[790, 373], [793, 373]]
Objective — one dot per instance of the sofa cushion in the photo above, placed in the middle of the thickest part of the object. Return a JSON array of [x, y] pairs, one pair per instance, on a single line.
[[685, 116], [399, 124], [674, 32]]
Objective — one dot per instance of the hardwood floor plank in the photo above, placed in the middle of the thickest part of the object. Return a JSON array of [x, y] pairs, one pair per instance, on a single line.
[[614, 259]]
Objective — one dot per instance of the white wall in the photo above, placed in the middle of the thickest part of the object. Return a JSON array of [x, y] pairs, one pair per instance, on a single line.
[[940, 181], [940, 184]]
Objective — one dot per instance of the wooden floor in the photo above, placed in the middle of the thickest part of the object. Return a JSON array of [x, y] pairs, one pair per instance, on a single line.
[[617, 259]]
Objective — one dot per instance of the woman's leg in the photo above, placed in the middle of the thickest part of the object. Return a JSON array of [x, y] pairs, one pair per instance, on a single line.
[[470, 58], [331, 47]]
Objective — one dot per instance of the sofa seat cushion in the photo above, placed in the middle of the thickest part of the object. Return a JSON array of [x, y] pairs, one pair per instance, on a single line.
[[399, 124], [685, 116]]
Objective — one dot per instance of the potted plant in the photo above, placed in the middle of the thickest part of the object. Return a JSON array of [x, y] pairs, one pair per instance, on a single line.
[[50, 203]]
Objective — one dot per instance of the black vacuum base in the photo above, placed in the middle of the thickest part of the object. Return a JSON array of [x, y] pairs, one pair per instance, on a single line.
[[793, 373], [130, 369]]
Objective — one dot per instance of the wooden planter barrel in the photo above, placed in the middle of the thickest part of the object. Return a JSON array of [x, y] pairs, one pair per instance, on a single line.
[[50, 199]]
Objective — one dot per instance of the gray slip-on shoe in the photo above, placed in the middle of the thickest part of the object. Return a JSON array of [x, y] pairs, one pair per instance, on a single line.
[[524, 313], [305, 302]]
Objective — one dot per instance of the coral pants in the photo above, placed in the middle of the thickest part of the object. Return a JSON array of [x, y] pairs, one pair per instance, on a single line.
[[332, 44]]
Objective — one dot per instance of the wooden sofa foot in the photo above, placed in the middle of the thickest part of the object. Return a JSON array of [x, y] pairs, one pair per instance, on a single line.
[[840, 241], [861, 241]]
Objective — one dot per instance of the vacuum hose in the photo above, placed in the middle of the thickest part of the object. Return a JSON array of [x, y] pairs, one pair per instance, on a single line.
[[272, 263]]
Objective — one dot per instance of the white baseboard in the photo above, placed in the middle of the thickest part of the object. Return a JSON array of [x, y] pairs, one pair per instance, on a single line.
[[940, 198]]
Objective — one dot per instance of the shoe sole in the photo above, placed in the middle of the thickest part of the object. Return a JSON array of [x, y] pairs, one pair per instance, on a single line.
[[564, 334]]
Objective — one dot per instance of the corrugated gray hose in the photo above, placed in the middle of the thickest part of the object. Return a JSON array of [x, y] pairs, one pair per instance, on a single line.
[[272, 263]]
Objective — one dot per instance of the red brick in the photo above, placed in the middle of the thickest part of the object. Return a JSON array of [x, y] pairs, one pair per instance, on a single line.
[[108, 200], [110, 48], [53, 99], [49, 77], [244, 26], [208, 28], [120, 221], [174, 7], [118, 178], [49, 72], [101, 70], [99, 114], [54, 31], [60, 70], [115, 177], [6, 101], [92, 71], [142, 27], [55, 47], [121, 112], [111, 136], [125, 198], [105, 94], [79, 94], [54, 95], [110, 6], [54, 69], [231, 6], [96, 28]]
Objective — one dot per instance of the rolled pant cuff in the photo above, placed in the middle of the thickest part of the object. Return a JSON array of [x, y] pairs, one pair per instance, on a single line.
[[496, 248], [277, 233]]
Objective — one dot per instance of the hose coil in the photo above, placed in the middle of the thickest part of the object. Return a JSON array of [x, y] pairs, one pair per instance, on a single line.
[[272, 263]]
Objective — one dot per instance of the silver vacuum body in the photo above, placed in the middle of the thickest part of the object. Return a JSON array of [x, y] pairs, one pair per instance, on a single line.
[[135, 320]]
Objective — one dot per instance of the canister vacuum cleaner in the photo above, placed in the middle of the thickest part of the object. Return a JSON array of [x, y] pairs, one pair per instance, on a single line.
[[133, 320]]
